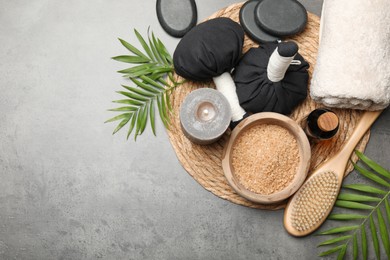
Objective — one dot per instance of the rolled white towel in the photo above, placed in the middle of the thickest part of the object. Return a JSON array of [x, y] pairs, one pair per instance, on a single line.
[[353, 63]]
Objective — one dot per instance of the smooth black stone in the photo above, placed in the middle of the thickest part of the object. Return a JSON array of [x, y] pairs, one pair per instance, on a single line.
[[177, 17], [281, 17], [247, 21]]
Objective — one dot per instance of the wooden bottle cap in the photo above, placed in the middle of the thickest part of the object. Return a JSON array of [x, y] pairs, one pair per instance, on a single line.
[[328, 121]]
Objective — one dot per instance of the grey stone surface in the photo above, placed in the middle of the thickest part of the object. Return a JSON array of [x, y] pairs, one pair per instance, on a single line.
[[71, 190]]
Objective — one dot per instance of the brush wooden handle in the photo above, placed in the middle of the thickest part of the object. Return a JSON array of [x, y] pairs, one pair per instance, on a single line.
[[361, 128], [312, 203]]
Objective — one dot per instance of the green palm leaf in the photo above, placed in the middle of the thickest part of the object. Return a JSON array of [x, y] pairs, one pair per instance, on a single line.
[[128, 102], [357, 197], [152, 65], [345, 216], [383, 232], [122, 116], [352, 205], [132, 125], [371, 176], [342, 252], [151, 115], [121, 124], [156, 55], [355, 249], [144, 44], [332, 250], [129, 108], [387, 206], [334, 240], [374, 237], [364, 241], [373, 165], [365, 188], [132, 48], [131, 59], [356, 202], [141, 69], [339, 230]]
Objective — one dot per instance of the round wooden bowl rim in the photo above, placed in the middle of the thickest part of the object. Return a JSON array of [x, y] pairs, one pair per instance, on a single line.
[[304, 153]]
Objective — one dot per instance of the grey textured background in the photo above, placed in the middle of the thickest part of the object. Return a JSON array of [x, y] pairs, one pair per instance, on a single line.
[[71, 190]]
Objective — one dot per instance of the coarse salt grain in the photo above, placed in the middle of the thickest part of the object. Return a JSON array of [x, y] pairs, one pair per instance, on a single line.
[[265, 158]]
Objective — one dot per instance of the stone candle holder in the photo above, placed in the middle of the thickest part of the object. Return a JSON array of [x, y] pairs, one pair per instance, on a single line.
[[204, 116]]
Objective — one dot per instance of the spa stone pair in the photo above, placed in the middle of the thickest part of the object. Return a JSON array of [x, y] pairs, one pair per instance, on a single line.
[[272, 78]]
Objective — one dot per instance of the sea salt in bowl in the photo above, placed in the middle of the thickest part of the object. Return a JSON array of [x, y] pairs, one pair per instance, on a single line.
[[267, 158]]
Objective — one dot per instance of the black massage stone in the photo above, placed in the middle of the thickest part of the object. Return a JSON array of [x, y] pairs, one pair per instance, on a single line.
[[247, 21], [281, 17], [177, 17]]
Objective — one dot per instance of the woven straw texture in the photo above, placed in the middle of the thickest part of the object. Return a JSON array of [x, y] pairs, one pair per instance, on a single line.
[[203, 163]]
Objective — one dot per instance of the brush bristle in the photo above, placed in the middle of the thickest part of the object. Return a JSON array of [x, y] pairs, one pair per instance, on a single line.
[[314, 200]]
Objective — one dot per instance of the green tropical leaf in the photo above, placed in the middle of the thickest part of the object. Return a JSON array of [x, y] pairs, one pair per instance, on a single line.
[[141, 69], [355, 249], [131, 127], [168, 101], [163, 104], [128, 102], [342, 252], [161, 111], [124, 109], [374, 237], [158, 49], [352, 205], [156, 71], [133, 96], [357, 197], [147, 87], [151, 115], [373, 165], [122, 116], [152, 82], [130, 59], [332, 250], [339, 230], [383, 232], [364, 188], [371, 175], [162, 81], [138, 124], [161, 70], [121, 124], [364, 241], [132, 48], [144, 44], [346, 216], [141, 120], [154, 50], [387, 206], [152, 64], [145, 94], [164, 51], [334, 240]]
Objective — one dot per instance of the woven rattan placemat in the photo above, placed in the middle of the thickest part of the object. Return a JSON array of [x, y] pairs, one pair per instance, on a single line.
[[203, 163]]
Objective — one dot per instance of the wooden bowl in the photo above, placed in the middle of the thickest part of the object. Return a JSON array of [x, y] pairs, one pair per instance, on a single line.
[[270, 118]]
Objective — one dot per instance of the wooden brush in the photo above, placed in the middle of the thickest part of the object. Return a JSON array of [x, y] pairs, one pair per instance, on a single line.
[[312, 203]]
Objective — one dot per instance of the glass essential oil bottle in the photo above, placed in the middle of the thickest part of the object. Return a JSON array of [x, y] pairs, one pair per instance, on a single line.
[[321, 124]]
